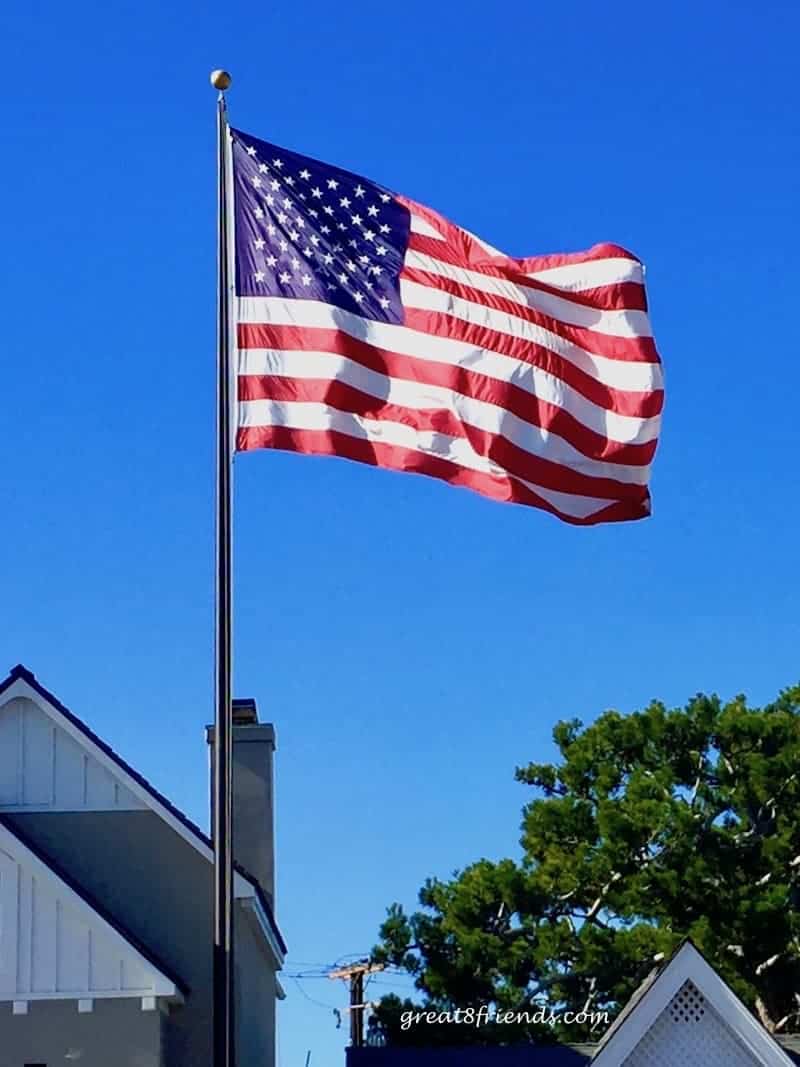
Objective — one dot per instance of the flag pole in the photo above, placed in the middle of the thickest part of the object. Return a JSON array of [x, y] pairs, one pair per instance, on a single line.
[[223, 975]]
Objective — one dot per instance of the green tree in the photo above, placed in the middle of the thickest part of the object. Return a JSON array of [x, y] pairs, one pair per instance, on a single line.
[[649, 828]]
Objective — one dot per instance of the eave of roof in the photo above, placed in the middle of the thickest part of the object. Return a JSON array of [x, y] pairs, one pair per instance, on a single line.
[[631, 1003], [22, 673]]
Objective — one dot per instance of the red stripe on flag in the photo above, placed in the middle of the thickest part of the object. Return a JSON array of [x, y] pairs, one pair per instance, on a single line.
[[474, 252], [297, 338], [440, 324], [459, 379], [332, 443], [620, 296], [625, 349], [518, 461]]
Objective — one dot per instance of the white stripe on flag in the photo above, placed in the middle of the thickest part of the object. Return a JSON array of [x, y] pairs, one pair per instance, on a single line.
[[627, 375], [457, 450], [416, 396], [591, 274], [619, 323], [320, 365], [627, 323], [420, 226]]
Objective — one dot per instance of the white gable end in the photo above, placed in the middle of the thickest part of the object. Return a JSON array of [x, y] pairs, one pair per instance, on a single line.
[[48, 763], [688, 1016], [54, 945], [42, 768], [689, 1030]]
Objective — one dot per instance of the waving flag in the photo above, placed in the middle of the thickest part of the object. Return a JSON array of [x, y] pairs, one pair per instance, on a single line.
[[370, 327]]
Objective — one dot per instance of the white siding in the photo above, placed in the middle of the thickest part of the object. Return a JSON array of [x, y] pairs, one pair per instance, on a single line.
[[73, 964], [53, 945], [70, 774], [37, 748], [41, 941], [10, 763], [8, 923], [42, 768], [105, 966]]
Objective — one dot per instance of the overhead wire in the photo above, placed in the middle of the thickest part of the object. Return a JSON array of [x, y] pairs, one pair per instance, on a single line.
[[320, 1004]]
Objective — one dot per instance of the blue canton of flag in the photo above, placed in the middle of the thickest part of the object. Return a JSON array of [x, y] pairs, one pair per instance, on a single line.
[[308, 231]]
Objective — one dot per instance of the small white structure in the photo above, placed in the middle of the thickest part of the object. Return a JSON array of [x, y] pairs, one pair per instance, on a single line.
[[685, 1015]]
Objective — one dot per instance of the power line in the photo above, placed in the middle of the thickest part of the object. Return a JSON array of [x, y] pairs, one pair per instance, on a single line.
[[393, 981], [319, 1003], [357, 956]]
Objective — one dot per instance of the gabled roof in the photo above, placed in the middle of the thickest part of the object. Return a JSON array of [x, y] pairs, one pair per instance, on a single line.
[[17, 848], [157, 801], [630, 1005], [686, 968]]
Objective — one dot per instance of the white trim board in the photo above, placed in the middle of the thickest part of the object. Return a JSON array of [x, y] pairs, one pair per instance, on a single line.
[[689, 965]]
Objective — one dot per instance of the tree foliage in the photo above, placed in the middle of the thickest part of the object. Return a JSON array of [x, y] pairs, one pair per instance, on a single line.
[[649, 828]]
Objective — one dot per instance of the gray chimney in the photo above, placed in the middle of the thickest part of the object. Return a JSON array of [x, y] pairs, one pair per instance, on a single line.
[[253, 793]]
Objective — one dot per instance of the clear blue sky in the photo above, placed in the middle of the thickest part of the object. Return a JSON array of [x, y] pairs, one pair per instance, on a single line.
[[412, 642]]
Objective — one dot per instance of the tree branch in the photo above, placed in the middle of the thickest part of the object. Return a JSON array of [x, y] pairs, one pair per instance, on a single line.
[[595, 908], [765, 1017], [592, 994], [766, 964]]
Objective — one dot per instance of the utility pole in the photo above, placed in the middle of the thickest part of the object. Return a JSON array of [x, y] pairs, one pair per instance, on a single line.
[[354, 973]]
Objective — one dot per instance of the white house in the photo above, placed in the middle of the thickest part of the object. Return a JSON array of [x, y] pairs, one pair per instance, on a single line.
[[105, 898]]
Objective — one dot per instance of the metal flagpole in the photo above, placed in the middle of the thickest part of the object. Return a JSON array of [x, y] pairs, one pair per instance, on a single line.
[[223, 1020]]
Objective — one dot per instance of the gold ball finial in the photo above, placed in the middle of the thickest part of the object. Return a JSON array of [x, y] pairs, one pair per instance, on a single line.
[[221, 80]]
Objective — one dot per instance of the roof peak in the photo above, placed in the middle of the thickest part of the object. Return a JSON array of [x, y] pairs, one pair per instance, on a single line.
[[164, 806], [21, 671]]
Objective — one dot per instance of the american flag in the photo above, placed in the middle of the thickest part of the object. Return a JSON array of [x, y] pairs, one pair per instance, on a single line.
[[370, 327]]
